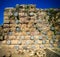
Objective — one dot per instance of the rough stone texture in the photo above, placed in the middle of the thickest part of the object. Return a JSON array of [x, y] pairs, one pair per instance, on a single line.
[[51, 53], [27, 31]]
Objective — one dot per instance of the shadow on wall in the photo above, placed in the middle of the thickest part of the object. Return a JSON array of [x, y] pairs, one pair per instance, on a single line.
[[4, 52], [49, 53]]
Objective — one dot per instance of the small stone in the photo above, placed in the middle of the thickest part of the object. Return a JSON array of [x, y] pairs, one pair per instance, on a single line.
[[16, 14], [19, 42], [31, 14], [27, 42], [43, 41], [41, 46], [17, 5], [32, 37], [28, 33], [33, 47], [17, 21], [51, 46], [10, 14], [16, 47], [1, 38], [46, 37], [16, 18], [54, 36], [36, 42], [45, 33], [8, 42], [58, 43], [51, 41], [40, 37], [25, 47], [49, 13], [52, 28], [22, 37], [10, 33], [40, 20], [17, 29], [40, 29], [58, 32], [31, 54]]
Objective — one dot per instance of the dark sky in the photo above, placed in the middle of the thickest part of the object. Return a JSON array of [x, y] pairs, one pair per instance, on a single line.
[[39, 4]]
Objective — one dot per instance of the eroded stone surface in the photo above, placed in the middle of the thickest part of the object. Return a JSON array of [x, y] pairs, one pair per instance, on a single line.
[[28, 31]]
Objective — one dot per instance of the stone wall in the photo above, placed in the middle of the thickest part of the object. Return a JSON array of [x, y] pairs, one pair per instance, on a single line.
[[28, 29], [51, 53]]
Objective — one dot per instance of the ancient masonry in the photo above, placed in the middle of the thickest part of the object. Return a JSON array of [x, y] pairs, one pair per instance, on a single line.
[[29, 31]]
